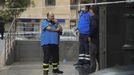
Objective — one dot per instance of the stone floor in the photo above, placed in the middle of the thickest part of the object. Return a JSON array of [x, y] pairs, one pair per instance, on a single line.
[[35, 68]]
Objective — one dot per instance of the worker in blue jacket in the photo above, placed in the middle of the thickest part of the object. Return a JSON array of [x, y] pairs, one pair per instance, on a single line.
[[84, 33], [50, 42]]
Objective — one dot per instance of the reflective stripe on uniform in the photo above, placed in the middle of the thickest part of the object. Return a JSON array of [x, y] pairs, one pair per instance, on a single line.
[[84, 58], [81, 58], [87, 58], [81, 54], [54, 63], [45, 64], [45, 69], [87, 55], [55, 68]]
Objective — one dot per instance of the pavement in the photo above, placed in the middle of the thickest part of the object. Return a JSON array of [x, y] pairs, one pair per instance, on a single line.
[[35, 68], [2, 45], [117, 70]]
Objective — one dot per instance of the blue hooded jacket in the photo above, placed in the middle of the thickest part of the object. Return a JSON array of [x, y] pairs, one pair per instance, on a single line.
[[48, 37], [84, 23]]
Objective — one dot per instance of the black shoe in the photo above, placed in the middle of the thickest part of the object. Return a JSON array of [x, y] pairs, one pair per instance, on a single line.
[[58, 71], [2, 38], [78, 63], [45, 72]]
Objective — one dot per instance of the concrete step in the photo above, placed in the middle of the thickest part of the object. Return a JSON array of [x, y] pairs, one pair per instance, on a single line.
[[32, 51]]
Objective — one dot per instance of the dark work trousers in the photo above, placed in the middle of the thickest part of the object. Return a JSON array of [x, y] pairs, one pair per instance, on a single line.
[[51, 53], [94, 51], [95, 40], [51, 57], [84, 56]]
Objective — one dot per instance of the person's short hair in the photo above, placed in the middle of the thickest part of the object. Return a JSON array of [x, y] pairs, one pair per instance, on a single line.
[[95, 9], [49, 14], [85, 2], [92, 8]]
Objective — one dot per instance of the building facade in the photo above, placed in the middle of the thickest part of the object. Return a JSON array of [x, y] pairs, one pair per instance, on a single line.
[[67, 15], [39, 8]]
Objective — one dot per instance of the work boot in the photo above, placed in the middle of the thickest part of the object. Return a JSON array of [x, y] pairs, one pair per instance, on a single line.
[[58, 71], [45, 72]]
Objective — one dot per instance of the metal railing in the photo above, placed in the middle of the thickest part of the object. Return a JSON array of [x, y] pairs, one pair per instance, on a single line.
[[27, 32], [10, 43]]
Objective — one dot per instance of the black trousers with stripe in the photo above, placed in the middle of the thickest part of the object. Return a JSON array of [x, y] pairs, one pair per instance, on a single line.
[[51, 53], [84, 55]]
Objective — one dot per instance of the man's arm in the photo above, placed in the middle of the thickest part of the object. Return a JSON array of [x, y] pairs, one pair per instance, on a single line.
[[51, 29], [47, 26], [60, 28], [58, 25], [93, 26]]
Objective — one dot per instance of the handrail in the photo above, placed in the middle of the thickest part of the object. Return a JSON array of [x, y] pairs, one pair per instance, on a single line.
[[10, 42]]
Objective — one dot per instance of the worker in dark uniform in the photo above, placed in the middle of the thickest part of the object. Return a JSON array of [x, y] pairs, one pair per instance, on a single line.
[[50, 43], [2, 29], [94, 34]]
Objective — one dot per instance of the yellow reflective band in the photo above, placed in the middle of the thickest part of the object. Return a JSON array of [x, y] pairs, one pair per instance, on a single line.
[[45, 64], [55, 68], [45, 69], [54, 63]]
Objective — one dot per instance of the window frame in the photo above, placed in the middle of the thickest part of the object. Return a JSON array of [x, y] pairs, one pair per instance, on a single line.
[[50, 4]]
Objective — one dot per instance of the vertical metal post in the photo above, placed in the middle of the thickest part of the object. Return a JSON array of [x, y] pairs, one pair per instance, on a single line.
[[78, 8], [102, 37]]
